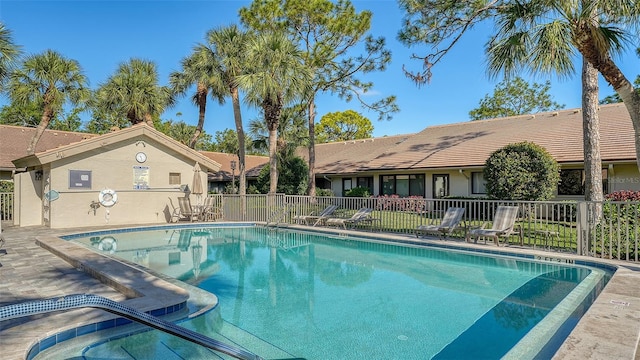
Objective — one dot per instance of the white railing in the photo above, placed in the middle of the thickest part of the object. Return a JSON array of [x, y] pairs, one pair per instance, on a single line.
[[608, 230], [6, 206]]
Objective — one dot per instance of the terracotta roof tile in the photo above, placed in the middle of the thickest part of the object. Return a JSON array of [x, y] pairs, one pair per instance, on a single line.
[[15, 139], [468, 144], [253, 163]]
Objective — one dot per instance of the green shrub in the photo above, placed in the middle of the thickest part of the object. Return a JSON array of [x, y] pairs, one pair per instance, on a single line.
[[324, 192], [292, 177], [358, 192], [6, 186], [522, 171]]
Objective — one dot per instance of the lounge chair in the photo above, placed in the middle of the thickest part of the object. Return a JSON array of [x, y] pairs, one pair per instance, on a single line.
[[361, 216], [504, 222], [316, 219], [450, 222]]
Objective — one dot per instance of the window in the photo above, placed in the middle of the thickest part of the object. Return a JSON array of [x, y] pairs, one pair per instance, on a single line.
[[478, 183], [174, 179], [402, 185], [440, 185], [572, 182], [366, 182], [347, 184]]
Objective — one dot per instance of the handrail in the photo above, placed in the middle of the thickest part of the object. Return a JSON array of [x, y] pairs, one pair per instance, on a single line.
[[278, 214], [76, 301]]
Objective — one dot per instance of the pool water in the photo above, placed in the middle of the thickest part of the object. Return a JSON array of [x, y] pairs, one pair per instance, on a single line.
[[321, 297]]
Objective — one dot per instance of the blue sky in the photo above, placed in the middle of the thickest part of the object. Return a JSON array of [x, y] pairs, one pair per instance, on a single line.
[[102, 34]]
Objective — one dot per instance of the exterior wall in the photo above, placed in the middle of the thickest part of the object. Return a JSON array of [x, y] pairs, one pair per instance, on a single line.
[[624, 177], [28, 199], [114, 169]]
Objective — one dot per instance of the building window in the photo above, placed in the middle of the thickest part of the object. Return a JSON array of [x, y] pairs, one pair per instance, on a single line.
[[402, 185], [572, 182], [174, 179], [366, 182], [347, 184], [440, 185], [478, 183]]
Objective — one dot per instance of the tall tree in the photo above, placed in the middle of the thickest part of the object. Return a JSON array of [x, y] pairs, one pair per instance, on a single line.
[[133, 91], [276, 77], [328, 32], [199, 69], [292, 132], [51, 80], [542, 35], [227, 45], [515, 97], [343, 126], [9, 53]]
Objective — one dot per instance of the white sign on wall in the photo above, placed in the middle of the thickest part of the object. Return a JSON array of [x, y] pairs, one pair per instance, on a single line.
[[140, 177]]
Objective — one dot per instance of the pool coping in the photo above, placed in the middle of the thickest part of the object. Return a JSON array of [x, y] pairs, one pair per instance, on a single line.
[[609, 329]]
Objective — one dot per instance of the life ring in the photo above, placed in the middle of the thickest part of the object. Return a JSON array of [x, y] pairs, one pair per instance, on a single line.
[[108, 243], [108, 197]]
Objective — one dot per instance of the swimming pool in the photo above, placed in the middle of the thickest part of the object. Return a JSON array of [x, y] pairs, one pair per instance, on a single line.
[[322, 296]]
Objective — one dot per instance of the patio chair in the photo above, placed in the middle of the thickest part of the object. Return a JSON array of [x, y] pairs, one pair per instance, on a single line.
[[186, 210], [504, 222], [316, 219], [450, 222], [361, 216], [211, 210]]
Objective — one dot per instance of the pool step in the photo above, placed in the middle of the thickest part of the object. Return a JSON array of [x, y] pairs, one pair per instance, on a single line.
[[232, 334]]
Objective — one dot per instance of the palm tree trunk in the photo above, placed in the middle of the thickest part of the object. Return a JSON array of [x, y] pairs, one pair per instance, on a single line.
[[273, 160], [311, 189], [235, 99], [615, 77], [591, 137], [148, 119], [202, 106], [47, 114]]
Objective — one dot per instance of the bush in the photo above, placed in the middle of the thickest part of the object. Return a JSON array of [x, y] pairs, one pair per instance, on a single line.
[[522, 171], [415, 204], [292, 177], [617, 232], [324, 192], [6, 186], [358, 192]]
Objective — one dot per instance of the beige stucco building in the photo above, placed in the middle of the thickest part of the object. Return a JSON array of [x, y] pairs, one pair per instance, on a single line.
[[72, 185]]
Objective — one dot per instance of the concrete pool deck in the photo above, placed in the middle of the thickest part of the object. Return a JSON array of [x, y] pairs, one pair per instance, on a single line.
[[28, 271]]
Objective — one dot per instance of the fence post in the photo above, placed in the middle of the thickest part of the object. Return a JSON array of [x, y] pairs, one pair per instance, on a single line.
[[582, 227]]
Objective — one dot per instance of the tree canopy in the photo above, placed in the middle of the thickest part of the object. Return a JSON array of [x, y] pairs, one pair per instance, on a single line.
[[515, 97], [343, 126]]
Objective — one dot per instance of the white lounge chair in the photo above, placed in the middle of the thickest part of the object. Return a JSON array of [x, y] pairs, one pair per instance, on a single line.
[[361, 216], [316, 219], [450, 222], [503, 225]]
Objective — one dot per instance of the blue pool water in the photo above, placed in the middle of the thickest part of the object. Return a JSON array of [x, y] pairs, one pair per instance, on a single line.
[[321, 297]]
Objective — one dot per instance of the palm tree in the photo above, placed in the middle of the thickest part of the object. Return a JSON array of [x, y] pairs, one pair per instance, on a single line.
[[227, 46], [292, 132], [133, 91], [51, 80], [548, 47], [276, 78], [201, 69], [9, 53]]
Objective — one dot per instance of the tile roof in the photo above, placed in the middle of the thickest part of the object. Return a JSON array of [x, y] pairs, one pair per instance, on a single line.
[[253, 164], [111, 140], [469, 144], [15, 139]]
